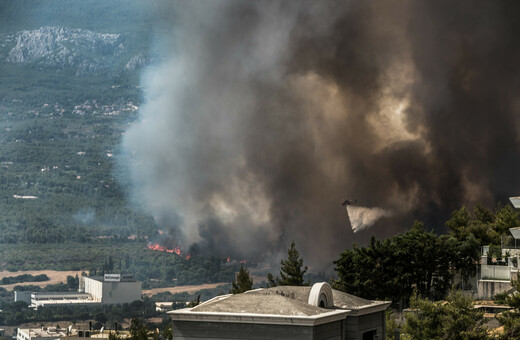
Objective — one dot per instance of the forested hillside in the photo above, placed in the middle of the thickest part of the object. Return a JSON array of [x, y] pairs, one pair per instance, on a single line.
[[69, 88]]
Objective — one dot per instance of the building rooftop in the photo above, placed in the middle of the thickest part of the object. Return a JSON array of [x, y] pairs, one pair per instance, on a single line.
[[258, 304], [59, 294], [284, 300], [289, 303], [114, 278], [515, 232], [51, 332], [65, 333], [515, 201]]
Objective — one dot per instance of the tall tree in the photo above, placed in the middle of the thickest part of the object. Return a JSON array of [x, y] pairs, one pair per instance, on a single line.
[[243, 281], [138, 330], [167, 332], [292, 270], [271, 280], [506, 217], [392, 268], [459, 223], [110, 264]]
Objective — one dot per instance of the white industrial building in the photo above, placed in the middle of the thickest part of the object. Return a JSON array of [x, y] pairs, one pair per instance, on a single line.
[[107, 289], [53, 333], [112, 288], [40, 299]]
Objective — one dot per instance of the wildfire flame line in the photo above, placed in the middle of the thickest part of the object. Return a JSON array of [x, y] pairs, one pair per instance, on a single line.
[[177, 250], [158, 247]]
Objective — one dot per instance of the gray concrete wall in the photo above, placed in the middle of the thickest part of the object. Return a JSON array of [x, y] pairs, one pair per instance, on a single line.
[[194, 330], [487, 289], [329, 331], [121, 292], [355, 326]]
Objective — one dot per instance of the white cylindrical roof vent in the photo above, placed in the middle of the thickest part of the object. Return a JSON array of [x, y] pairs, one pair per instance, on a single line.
[[321, 295]]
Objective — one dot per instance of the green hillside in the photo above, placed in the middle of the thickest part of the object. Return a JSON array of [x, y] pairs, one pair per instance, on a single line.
[[60, 132]]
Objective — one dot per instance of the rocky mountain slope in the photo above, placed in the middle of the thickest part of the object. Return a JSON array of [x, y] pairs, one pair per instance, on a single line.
[[84, 51]]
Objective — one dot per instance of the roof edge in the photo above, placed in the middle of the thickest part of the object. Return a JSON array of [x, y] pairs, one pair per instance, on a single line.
[[187, 314], [380, 307]]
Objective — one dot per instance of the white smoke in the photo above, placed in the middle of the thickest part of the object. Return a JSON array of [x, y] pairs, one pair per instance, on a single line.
[[363, 217]]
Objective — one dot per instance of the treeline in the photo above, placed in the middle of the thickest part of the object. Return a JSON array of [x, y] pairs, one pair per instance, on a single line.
[[153, 268], [24, 278], [421, 261], [41, 230], [16, 313], [456, 318], [161, 269]]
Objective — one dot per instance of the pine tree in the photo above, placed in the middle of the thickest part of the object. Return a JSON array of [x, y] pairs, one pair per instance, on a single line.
[[243, 281], [128, 261], [138, 330], [291, 273], [271, 280], [110, 264]]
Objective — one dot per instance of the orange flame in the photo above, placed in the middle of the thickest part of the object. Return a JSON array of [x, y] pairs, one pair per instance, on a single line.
[[158, 247]]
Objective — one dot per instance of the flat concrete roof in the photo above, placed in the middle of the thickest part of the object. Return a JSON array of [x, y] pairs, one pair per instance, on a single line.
[[258, 304], [65, 294], [515, 201], [357, 305], [279, 305], [271, 319], [515, 232]]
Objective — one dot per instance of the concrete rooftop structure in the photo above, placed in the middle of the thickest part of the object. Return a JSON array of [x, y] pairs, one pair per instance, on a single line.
[[284, 312]]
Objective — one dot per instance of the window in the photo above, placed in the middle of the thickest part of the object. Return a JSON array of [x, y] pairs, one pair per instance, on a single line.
[[370, 335]]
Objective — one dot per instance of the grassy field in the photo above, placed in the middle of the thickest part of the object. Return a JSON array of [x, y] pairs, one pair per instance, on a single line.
[[54, 277], [190, 289]]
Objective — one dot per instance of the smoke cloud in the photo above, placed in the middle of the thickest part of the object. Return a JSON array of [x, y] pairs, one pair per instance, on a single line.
[[265, 115], [85, 216], [363, 217]]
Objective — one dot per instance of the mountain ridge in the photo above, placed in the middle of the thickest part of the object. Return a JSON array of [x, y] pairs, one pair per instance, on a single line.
[[86, 51]]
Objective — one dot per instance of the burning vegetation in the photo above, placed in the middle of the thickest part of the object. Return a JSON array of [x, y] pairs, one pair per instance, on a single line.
[[176, 250]]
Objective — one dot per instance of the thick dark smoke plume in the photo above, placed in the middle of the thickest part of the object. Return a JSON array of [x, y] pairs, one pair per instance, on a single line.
[[266, 115]]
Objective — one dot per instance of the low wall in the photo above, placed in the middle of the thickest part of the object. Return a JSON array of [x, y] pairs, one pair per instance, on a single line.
[[487, 289]]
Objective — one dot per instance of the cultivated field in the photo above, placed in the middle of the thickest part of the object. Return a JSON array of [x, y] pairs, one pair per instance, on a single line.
[[183, 289], [54, 276]]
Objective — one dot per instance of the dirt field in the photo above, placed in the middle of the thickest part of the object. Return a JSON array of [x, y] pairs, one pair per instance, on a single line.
[[54, 276], [182, 289], [258, 278]]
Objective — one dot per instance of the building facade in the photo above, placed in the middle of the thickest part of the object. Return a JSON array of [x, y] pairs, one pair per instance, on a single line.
[[107, 289], [53, 333], [113, 288]]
